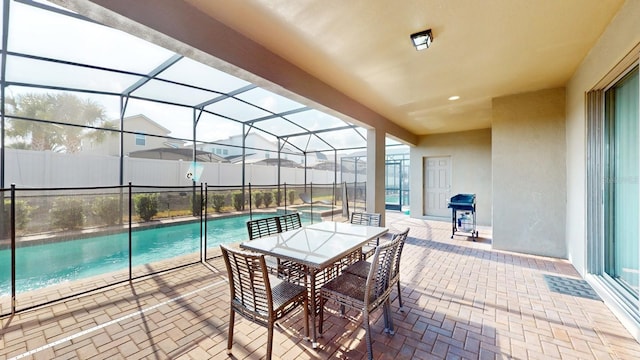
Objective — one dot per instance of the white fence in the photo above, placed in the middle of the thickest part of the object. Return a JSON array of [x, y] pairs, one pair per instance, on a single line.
[[46, 169]]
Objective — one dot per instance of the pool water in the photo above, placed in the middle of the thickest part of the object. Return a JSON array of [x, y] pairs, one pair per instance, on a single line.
[[52, 263]]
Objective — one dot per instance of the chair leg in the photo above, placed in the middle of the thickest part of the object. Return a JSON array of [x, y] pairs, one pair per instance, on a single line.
[[321, 316], [230, 337], [367, 330], [387, 309], [400, 297], [269, 340], [306, 317], [385, 315]]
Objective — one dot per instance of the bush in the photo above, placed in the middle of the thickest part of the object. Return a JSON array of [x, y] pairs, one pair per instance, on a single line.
[[268, 198], [277, 194], [67, 214], [257, 199], [23, 216], [146, 205], [238, 200], [195, 209], [108, 209], [218, 201], [292, 197]]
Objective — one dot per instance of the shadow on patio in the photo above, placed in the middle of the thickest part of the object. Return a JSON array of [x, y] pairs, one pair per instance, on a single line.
[[461, 300]]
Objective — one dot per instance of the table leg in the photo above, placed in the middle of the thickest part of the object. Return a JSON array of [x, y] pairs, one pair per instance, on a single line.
[[312, 305]]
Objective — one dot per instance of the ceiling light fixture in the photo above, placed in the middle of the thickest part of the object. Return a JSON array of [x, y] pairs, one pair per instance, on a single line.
[[454, 97], [422, 40]]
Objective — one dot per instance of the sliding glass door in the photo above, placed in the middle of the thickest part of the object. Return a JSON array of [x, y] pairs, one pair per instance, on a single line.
[[621, 186]]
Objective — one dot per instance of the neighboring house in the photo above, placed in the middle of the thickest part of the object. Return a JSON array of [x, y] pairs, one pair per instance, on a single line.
[[231, 148], [146, 135]]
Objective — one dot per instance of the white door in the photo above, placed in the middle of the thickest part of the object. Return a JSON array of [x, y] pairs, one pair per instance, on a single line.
[[437, 186]]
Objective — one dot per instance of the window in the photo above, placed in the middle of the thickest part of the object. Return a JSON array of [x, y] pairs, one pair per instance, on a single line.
[[218, 151], [621, 183], [140, 139], [225, 152]]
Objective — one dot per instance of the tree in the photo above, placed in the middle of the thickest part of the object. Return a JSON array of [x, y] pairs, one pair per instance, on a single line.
[[62, 108]]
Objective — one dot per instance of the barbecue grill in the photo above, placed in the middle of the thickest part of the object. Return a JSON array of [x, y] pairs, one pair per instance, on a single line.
[[465, 205]]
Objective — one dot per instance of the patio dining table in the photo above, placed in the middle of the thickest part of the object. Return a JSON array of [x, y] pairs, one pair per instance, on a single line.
[[323, 249]]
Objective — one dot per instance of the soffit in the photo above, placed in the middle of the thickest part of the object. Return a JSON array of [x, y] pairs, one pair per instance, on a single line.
[[481, 50]]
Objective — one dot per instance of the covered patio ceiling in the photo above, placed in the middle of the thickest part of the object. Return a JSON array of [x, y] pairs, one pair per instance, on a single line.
[[356, 58]]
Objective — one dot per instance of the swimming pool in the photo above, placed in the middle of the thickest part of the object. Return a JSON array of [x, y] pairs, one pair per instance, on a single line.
[[52, 263]]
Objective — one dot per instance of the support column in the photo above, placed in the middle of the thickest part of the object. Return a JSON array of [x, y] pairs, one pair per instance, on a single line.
[[376, 172]]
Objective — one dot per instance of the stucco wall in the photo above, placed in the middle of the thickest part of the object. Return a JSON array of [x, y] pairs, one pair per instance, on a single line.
[[470, 153], [529, 182], [622, 34]]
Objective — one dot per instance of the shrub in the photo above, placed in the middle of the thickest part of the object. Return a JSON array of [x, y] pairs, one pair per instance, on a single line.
[[277, 194], [146, 205], [195, 209], [108, 209], [67, 214], [218, 201], [238, 200], [257, 198], [268, 198], [23, 215], [292, 197]]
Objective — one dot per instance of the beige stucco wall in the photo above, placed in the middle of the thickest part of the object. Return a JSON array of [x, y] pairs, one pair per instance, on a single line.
[[615, 43], [470, 153], [529, 182]]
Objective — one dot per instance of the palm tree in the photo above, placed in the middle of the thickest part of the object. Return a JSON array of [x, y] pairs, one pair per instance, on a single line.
[[62, 108]]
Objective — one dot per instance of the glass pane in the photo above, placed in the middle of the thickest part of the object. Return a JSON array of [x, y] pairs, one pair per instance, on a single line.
[[159, 119], [622, 189], [187, 71], [53, 155], [43, 33], [315, 120], [173, 93], [48, 73], [346, 138], [309, 143], [236, 109], [211, 128], [20, 99], [279, 126], [269, 101]]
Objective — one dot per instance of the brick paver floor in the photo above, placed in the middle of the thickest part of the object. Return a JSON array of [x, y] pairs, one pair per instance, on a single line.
[[462, 300]]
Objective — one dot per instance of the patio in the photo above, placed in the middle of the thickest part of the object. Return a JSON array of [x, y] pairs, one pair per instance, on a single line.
[[462, 300]]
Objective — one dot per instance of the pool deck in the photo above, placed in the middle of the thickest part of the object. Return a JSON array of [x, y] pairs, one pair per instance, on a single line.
[[463, 300]]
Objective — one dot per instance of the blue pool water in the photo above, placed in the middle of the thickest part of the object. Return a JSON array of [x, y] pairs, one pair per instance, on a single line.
[[52, 263]]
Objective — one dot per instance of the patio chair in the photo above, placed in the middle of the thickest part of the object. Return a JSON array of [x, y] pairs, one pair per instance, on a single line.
[[371, 219], [258, 228], [365, 294], [290, 270], [361, 268], [259, 297], [290, 221]]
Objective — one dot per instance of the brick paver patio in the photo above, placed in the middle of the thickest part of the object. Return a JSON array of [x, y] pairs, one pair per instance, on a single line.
[[462, 300]]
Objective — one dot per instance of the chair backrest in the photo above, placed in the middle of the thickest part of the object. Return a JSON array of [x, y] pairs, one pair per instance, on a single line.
[[378, 285], [290, 221], [263, 227], [249, 284], [401, 237], [364, 218]]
